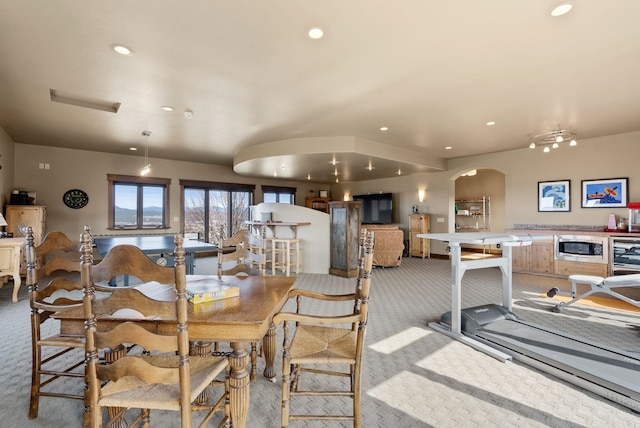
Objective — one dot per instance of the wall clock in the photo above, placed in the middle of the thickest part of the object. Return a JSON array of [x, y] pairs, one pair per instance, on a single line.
[[75, 198]]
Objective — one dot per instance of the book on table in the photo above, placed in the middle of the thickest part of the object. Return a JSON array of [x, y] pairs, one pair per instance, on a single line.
[[207, 288]]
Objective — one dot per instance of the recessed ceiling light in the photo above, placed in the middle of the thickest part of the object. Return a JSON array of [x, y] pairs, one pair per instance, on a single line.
[[188, 114], [133, 149], [316, 33], [448, 148], [491, 123], [166, 108], [384, 128], [561, 9], [122, 49]]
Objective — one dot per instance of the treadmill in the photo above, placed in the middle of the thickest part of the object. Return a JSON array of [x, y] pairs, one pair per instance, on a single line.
[[495, 330]]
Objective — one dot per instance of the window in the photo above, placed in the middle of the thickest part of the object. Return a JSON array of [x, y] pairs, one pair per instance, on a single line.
[[282, 195], [138, 202], [215, 211]]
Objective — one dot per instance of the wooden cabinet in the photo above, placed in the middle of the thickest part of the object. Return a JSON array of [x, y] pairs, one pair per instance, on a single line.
[[344, 220], [521, 259], [319, 204], [20, 217], [566, 268], [534, 258], [541, 257], [419, 247]]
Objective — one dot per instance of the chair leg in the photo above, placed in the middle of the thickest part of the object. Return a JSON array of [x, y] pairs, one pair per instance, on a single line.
[[356, 388], [146, 419], [227, 401], [254, 361], [286, 396], [296, 370], [35, 382]]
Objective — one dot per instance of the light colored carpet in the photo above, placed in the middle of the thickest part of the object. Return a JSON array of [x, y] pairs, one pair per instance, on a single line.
[[413, 376]]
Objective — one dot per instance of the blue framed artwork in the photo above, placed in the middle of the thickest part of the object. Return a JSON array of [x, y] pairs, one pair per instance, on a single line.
[[554, 196], [605, 193]]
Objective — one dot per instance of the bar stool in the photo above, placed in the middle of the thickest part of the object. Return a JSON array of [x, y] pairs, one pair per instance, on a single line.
[[285, 255]]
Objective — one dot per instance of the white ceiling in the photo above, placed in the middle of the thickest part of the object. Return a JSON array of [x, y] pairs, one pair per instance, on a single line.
[[265, 94]]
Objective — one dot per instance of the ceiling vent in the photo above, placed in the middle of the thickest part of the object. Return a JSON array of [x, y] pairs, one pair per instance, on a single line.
[[78, 101]]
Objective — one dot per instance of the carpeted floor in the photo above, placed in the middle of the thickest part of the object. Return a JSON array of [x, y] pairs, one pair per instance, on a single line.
[[413, 376]]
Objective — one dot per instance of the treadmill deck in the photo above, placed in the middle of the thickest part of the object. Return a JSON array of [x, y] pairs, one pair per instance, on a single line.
[[608, 368]]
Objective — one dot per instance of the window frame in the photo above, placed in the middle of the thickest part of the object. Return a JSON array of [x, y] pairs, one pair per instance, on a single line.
[[132, 180], [280, 190], [215, 186]]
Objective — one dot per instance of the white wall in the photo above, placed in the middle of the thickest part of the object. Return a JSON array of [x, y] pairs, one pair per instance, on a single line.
[[612, 156], [315, 238], [605, 157], [71, 169]]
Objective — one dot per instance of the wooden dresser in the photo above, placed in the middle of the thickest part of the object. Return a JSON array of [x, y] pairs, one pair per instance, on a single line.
[[20, 217], [10, 263]]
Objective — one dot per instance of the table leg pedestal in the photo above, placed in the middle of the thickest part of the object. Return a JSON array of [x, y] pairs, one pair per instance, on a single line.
[[269, 350], [239, 384]]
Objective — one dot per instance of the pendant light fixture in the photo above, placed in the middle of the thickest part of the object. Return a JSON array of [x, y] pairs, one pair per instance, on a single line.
[[146, 169]]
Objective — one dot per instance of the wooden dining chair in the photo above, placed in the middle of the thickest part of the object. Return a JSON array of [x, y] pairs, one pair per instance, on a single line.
[[248, 258], [144, 343], [320, 344], [53, 280]]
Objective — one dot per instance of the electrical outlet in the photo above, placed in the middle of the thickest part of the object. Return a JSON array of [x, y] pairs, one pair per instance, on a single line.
[[440, 220], [41, 165], [46, 166]]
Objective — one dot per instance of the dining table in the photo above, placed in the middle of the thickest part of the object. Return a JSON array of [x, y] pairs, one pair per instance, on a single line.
[[238, 320]]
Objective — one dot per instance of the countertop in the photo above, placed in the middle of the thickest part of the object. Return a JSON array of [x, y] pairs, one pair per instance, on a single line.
[[573, 230]]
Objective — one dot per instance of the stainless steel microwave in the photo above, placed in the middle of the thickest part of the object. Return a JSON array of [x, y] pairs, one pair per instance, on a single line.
[[581, 248]]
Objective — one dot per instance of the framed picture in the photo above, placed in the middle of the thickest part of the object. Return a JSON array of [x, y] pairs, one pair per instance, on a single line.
[[324, 193], [554, 196], [605, 193]]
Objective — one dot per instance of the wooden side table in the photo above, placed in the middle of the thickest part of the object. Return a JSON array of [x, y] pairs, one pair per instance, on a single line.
[[10, 262]]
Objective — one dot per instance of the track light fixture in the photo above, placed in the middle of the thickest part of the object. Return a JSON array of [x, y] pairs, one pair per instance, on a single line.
[[552, 139]]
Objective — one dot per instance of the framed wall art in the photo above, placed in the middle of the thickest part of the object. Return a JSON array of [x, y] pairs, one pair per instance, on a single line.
[[605, 193], [554, 196]]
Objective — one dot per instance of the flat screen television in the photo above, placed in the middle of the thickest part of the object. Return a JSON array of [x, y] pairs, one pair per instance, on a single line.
[[375, 208]]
